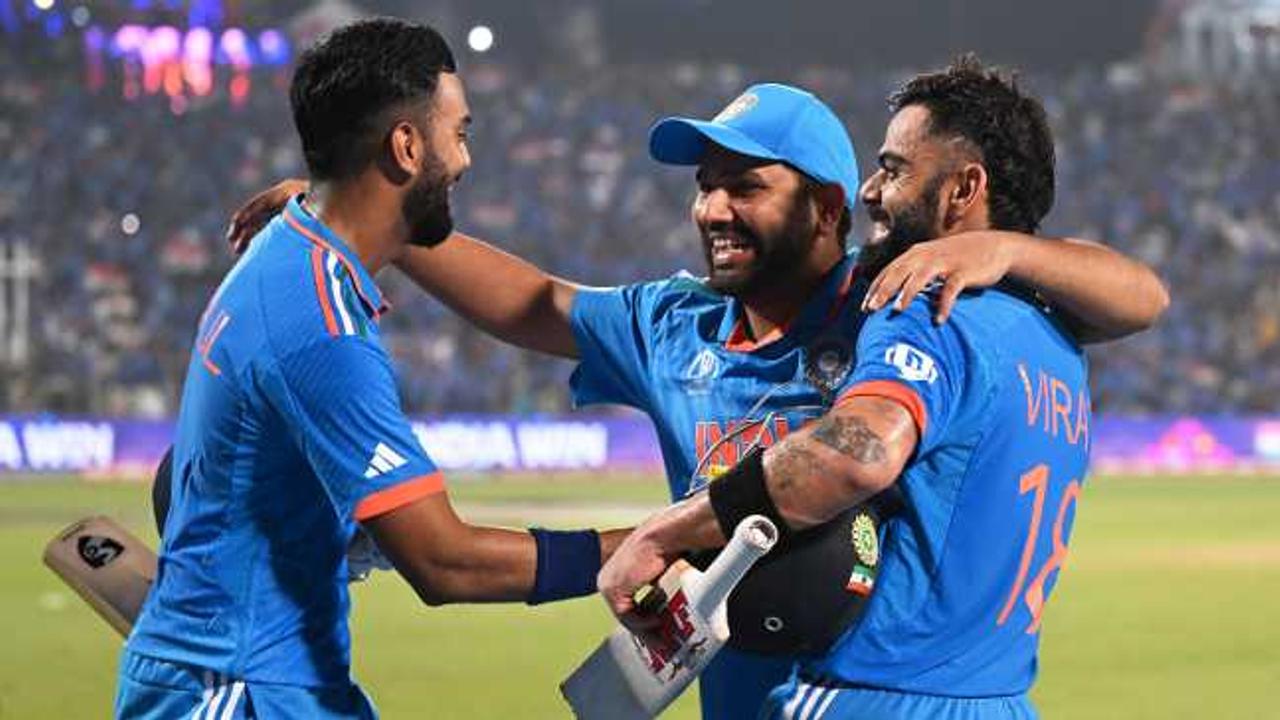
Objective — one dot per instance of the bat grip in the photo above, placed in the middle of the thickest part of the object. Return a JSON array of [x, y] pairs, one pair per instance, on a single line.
[[753, 537]]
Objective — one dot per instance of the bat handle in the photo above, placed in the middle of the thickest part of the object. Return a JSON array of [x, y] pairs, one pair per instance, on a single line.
[[753, 537]]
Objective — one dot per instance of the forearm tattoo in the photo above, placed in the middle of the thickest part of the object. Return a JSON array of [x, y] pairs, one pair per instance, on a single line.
[[850, 436], [793, 463]]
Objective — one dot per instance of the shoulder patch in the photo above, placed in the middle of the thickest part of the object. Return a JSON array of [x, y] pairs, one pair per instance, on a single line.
[[913, 364]]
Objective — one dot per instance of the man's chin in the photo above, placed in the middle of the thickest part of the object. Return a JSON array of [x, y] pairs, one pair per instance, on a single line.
[[731, 282], [431, 232]]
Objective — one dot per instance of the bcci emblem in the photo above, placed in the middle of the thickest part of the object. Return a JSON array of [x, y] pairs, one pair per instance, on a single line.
[[98, 551], [827, 364], [701, 372], [740, 106], [866, 554]]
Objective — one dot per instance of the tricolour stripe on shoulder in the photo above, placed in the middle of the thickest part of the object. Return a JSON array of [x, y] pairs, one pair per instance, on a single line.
[[335, 290], [320, 275]]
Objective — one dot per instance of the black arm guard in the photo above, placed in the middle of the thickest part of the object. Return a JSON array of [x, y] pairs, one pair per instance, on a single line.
[[803, 595]]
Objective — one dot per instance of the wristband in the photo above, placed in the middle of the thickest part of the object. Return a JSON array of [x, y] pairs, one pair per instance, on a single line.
[[740, 492], [568, 562]]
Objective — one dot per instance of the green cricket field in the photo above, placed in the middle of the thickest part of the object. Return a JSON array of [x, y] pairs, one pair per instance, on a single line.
[[1167, 607]]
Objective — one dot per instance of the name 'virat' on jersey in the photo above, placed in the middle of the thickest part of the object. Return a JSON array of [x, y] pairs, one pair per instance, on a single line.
[[1000, 396]]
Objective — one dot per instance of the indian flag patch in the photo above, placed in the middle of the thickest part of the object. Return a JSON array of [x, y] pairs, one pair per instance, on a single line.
[[866, 554]]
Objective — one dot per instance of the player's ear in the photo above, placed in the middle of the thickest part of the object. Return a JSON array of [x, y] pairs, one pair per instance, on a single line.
[[829, 203], [967, 193], [405, 149]]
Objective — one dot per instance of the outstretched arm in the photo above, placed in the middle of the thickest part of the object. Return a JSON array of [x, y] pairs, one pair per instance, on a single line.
[[507, 297], [856, 450], [1105, 294], [447, 560]]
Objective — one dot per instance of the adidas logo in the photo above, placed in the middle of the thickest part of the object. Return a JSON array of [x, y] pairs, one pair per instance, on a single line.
[[384, 460]]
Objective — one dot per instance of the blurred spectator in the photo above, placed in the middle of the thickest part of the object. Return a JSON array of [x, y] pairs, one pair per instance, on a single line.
[[1186, 178]]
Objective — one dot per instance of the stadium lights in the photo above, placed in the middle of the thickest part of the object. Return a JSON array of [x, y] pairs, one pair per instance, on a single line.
[[480, 39], [42, 4]]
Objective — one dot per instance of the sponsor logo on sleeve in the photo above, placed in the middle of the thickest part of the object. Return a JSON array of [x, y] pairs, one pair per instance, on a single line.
[[912, 364], [384, 460]]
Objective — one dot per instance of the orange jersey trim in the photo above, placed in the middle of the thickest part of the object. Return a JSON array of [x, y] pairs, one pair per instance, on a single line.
[[895, 391], [355, 277], [739, 341], [396, 496], [322, 291]]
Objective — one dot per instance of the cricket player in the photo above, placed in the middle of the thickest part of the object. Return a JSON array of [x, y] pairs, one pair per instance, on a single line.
[[983, 422], [763, 344], [290, 434]]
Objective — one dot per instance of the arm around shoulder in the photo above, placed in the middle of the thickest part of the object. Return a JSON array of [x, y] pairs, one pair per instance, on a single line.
[[1106, 294], [506, 296]]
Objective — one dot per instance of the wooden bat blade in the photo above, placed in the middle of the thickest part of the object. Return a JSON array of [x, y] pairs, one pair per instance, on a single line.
[[106, 565], [624, 679]]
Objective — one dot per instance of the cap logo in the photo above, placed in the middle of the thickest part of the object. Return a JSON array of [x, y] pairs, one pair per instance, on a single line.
[[741, 105]]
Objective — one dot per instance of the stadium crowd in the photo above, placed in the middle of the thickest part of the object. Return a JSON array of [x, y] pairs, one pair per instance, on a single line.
[[1186, 178]]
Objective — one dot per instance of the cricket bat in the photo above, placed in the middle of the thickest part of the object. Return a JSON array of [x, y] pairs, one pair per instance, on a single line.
[[625, 679], [106, 565]]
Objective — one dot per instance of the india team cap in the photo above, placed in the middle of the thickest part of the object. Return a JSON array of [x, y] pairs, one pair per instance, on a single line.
[[772, 122]]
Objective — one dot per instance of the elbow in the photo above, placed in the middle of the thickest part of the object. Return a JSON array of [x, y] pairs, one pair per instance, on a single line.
[[430, 598], [1157, 302], [862, 481], [437, 585], [1160, 303]]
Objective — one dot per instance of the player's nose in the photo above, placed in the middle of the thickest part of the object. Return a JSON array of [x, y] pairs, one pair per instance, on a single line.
[[713, 207], [869, 193]]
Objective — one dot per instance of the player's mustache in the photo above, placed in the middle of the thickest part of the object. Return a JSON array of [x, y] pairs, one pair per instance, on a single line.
[[878, 214], [735, 230]]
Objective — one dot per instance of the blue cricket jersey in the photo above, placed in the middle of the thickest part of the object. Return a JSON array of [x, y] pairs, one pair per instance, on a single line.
[[1000, 396], [678, 351], [290, 432]]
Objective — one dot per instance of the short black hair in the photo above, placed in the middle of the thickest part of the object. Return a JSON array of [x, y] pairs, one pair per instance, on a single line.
[[348, 83], [1009, 129]]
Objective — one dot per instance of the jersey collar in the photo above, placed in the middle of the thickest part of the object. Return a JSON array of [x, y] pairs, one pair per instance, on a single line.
[[315, 231], [822, 308]]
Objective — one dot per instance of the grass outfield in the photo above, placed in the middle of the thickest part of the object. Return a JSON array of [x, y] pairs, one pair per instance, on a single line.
[[1167, 608]]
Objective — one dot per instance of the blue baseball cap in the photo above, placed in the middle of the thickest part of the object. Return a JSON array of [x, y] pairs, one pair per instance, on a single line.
[[772, 122]]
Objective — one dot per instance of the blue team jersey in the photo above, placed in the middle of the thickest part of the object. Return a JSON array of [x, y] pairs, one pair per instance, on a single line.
[[290, 432], [678, 351], [999, 394]]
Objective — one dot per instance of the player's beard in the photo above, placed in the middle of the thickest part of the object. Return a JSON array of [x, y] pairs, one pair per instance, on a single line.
[[908, 226], [775, 255], [426, 208]]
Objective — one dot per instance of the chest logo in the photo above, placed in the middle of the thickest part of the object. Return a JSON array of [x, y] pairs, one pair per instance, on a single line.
[[827, 363], [702, 371]]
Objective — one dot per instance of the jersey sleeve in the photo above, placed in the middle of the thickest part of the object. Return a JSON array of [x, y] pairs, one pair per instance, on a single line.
[[614, 330], [905, 357], [340, 401]]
